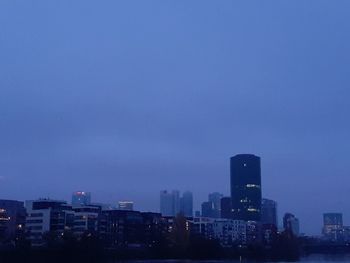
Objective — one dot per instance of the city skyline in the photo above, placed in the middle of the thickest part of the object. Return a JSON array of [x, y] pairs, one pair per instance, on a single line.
[[248, 161], [125, 99], [113, 203]]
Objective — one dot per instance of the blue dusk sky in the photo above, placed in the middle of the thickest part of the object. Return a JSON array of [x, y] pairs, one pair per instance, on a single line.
[[126, 98]]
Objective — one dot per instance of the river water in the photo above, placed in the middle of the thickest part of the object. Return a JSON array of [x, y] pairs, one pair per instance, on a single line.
[[309, 259]]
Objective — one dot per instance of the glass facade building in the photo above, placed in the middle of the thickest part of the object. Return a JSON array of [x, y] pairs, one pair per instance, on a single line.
[[246, 187], [269, 212]]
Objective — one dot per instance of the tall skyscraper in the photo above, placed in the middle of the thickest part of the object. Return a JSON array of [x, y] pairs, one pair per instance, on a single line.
[[176, 204], [212, 208], [269, 212], [246, 187], [187, 204], [169, 203], [81, 198], [226, 207], [291, 223], [215, 198], [166, 203], [207, 209]]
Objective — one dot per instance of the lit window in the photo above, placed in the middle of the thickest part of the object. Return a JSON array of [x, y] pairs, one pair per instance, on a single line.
[[244, 200], [253, 186]]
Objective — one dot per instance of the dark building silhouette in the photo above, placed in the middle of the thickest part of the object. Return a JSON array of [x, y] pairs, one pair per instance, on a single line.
[[246, 187], [208, 209], [186, 204], [120, 228], [215, 198], [269, 234], [154, 226], [86, 219], [169, 203], [46, 215], [291, 223], [269, 212], [12, 220], [226, 207], [212, 208]]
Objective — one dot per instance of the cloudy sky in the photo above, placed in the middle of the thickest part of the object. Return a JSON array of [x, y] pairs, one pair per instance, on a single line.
[[125, 98]]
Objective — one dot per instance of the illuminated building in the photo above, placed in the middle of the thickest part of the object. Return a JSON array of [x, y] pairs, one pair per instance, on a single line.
[[246, 187], [12, 219], [227, 231], [126, 205], [46, 215], [333, 226], [154, 226], [121, 228], [81, 198], [86, 219]]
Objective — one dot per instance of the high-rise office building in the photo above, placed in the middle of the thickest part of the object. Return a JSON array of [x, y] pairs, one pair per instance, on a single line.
[[45, 215], [166, 203], [246, 187], [212, 207], [176, 204], [81, 198], [169, 203], [291, 223], [333, 226], [126, 205], [207, 209], [186, 202], [215, 198], [226, 207], [269, 212]]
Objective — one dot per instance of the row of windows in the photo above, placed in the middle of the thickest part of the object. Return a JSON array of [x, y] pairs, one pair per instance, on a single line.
[[35, 228], [34, 221], [36, 215], [80, 223]]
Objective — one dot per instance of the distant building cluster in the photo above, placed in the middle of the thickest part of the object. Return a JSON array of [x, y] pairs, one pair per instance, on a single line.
[[172, 204], [256, 216], [333, 228], [242, 218]]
